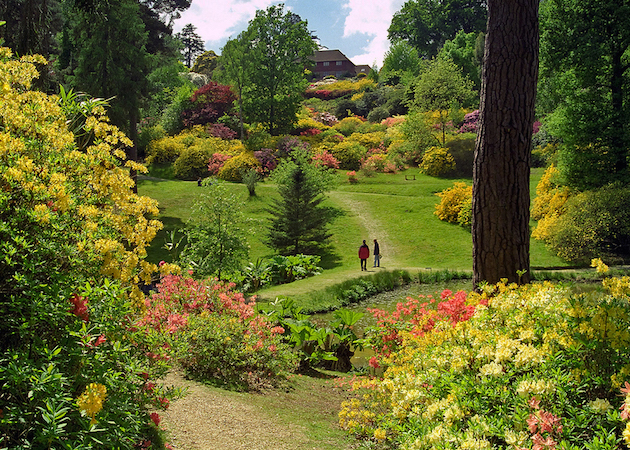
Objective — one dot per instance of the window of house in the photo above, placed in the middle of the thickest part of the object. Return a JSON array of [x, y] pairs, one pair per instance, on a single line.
[[326, 63], [339, 63]]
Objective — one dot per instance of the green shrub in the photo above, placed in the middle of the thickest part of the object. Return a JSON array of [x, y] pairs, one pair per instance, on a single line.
[[378, 114], [348, 125], [192, 163], [349, 154], [596, 224], [239, 353], [233, 168], [437, 161], [171, 119], [463, 151], [147, 135]]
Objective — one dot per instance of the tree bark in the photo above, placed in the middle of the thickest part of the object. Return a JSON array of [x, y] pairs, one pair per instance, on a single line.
[[501, 168]]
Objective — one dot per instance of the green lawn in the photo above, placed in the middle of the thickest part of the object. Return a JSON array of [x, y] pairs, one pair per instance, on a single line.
[[397, 211]]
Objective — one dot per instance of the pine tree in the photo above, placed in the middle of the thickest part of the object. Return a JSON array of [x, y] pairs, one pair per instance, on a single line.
[[192, 42], [299, 223]]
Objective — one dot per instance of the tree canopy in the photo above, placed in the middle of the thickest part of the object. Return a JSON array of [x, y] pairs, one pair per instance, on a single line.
[[276, 47], [428, 24], [585, 88]]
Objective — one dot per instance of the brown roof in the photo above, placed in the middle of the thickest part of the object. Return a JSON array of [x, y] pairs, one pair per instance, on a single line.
[[329, 55]]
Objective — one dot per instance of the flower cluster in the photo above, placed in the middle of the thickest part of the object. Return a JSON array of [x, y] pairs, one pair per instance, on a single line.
[[91, 401], [514, 367]]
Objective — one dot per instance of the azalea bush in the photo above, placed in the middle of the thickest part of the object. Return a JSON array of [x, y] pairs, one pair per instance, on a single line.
[[74, 372], [454, 206], [515, 367], [216, 334], [437, 161]]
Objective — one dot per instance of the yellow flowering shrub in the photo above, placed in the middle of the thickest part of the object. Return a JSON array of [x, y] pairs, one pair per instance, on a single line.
[[367, 140], [534, 363], [86, 196], [233, 168], [73, 239], [437, 161], [453, 201]]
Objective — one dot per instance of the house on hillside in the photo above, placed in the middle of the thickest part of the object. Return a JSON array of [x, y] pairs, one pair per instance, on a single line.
[[333, 62]]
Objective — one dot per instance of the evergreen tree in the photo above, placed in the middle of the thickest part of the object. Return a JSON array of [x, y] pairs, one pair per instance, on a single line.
[[299, 222], [192, 42]]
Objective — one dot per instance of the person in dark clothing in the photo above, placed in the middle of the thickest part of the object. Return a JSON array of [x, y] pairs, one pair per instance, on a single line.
[[364, 254], [377, 254]]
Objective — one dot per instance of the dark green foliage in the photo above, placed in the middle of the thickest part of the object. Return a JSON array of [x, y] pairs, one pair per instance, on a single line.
[[596, 224], [378, 114], [428, 24], [110, 57], [462, 151], [466, 50], [273, 48], [206, 63], [192, 44], [584, 86], [299, 222]]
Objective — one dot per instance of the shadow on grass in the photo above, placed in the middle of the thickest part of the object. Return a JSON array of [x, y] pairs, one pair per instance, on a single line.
[[157, 251]]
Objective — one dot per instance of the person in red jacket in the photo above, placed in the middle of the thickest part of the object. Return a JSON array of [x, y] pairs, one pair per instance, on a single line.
[[364, 254]]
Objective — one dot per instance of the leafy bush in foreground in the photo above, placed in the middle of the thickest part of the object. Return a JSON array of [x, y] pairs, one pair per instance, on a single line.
[[74, 373], [526, 367]]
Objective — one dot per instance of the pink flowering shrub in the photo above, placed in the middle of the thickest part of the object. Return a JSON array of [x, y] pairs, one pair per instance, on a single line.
[[216, 163], [216, 334], [417, 318], [325, 159]]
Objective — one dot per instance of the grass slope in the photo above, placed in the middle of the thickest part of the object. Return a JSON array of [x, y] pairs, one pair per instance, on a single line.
[[399, 212]]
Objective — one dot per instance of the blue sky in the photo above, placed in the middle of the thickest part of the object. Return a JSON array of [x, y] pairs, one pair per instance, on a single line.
[[356, 27]]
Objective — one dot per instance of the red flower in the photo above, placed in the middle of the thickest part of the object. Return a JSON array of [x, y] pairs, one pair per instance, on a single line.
[[155, 417], [79, 307], [374, 362]]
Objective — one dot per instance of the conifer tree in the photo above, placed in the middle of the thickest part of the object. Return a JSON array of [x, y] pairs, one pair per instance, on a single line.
[[299, 223]]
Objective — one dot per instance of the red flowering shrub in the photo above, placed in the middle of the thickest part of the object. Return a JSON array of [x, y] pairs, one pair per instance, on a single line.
[[210, 102], [416, 318], [325, 159], [221, 131]]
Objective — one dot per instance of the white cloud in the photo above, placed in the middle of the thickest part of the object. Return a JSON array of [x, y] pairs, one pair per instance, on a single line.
[[371, 18], [216, 21]]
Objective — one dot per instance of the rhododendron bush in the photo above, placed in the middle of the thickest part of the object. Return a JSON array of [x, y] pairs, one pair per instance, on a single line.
[[515, 367], [216, 334]]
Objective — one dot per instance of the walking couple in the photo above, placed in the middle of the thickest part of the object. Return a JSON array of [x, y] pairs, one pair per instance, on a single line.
[[364, 254]]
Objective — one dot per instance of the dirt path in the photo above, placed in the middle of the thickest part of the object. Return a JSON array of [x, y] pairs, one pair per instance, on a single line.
[[208, 419], [374, 230]]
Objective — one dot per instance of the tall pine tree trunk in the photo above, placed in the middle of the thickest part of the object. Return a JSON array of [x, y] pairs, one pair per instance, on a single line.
[[500, 207]]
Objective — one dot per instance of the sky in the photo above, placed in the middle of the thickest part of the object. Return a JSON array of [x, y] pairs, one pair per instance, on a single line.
[[358, 28]]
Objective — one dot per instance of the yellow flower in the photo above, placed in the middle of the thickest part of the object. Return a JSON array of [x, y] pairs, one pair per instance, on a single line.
[[600, 405], [599, 265], [91, 401], [626, 433], [380, 434]]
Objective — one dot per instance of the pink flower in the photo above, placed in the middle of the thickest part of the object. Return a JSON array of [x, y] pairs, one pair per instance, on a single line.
[[155, 417], [374, 362]]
